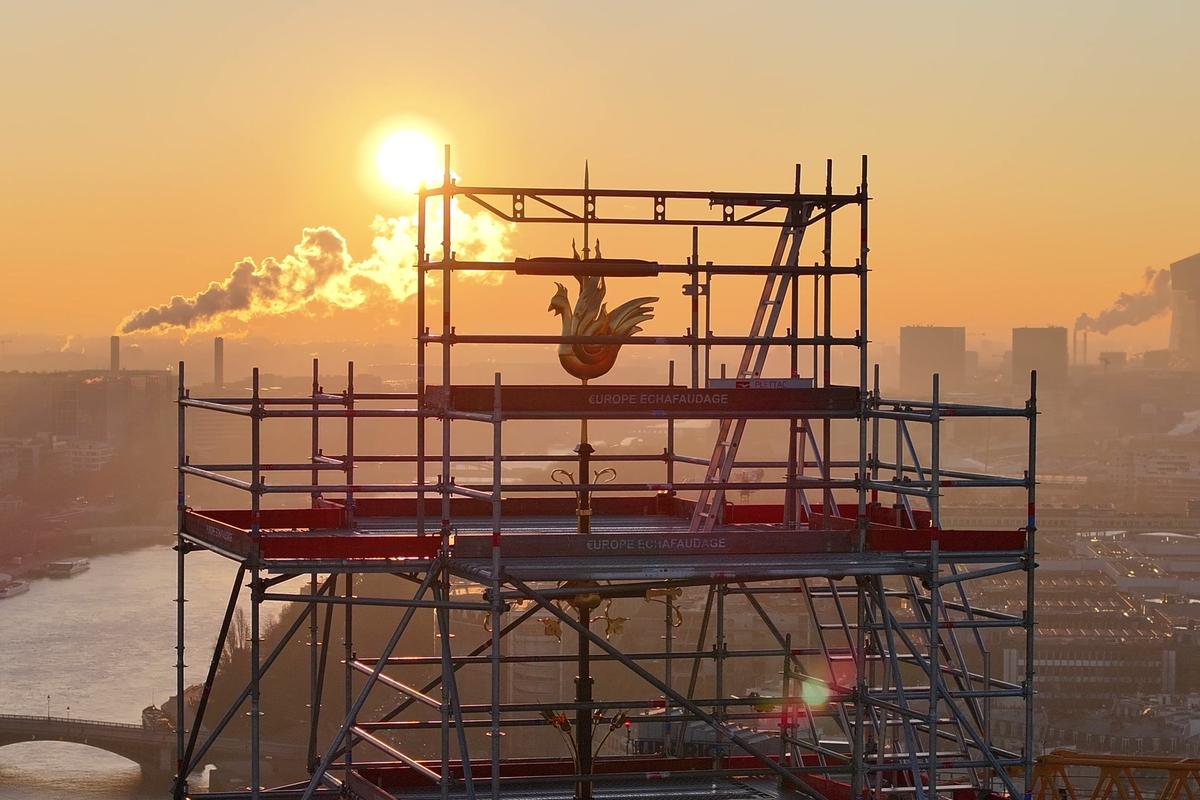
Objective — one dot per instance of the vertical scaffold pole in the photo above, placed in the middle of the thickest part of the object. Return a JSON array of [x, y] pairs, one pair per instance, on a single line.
[[790, 496], [695, 293], [935, 513], [445, 478], [935, 675], [313, 664], [315, 433], [862, 688], [668, 675], [313, 653], [181, 597], [863, 358], [349, 465], [348, 640], [447, 332], [707, 326], [497, 601], [935, 454], [256, 588], [1030, 584], [874, 451], [422, 330], [827, 499], [719, 657], [349, 658], [670, 452]]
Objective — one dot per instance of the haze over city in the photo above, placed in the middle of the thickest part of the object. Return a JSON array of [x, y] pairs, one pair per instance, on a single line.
[[808, 403]]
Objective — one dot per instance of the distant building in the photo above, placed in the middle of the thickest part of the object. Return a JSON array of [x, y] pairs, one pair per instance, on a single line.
[[85, 404], [1163, 472], [9, 465], [1041, 349], [89, 456], [1185, 310], [1156, 359], [86, 455], [926, 349]]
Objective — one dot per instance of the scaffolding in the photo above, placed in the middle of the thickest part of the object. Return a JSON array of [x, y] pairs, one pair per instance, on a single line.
[[897, 658]]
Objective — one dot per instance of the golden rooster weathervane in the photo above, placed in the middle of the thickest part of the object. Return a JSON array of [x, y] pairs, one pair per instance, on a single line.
[[591, 317]]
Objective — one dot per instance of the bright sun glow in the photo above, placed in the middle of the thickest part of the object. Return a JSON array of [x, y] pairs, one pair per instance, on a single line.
[[408, 158]]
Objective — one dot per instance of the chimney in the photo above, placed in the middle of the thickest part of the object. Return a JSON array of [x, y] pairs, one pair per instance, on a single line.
[[219, 361], [114, 354], [1085, 361], [1075, 347]]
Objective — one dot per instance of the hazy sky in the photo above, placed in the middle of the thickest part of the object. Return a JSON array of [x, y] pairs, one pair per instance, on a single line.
[[1030, 159]]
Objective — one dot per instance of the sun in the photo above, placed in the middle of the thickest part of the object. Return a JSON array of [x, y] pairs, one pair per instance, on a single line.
[[408, 158]]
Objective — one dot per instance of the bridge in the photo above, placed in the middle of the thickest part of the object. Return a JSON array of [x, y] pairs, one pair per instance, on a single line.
[[152, 749]]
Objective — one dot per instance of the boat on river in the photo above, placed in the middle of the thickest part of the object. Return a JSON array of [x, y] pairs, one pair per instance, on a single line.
[[67, 568], [13, 588]]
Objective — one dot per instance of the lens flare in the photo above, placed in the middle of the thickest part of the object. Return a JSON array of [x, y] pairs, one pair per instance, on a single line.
[[815, 695]]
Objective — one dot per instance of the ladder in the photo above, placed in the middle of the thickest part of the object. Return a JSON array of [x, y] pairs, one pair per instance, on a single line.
[[754, 358]]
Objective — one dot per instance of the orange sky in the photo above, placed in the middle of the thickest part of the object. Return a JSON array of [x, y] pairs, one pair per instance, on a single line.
[[1030, 160]]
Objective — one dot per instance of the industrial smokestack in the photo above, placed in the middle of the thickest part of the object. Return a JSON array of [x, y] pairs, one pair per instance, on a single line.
[[1075, 347], [1085, 333], [219, 362], [114, 354]]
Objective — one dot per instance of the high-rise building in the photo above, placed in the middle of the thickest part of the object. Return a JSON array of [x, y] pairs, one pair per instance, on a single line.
[[1185, 310], [926, 349], [1043, 349]]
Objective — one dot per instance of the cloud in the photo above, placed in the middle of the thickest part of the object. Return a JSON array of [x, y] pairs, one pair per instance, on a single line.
[[321, 273]]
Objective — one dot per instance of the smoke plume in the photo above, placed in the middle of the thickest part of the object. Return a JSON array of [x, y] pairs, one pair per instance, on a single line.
[[320, 274], [1132, 308], [1188, 426]]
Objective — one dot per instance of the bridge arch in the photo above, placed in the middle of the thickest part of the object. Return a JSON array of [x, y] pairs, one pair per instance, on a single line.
[[8, 742], [151, 750]]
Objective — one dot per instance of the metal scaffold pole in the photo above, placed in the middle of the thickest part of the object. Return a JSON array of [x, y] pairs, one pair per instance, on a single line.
[[181, 596], [1030, 565], [497, 600]]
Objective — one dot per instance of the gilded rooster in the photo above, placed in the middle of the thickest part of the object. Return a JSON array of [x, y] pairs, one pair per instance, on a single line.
[[591, 317]]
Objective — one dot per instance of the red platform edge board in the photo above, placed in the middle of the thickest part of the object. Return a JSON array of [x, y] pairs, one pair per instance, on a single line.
[[286, 535], [301, 534], [379, 781], [638, 402]]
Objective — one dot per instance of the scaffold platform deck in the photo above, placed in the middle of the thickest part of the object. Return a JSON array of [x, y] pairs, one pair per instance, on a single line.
[[291, 539]]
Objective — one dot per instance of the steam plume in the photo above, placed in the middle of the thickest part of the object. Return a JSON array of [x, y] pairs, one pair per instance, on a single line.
[[1132, 308], [1188, 426], [320, 274]]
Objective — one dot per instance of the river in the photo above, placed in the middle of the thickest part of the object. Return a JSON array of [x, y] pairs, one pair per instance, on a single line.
[[100, 645]]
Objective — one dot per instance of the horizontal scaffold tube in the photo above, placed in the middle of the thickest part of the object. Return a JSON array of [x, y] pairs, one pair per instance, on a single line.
[[626, 341], [684, 269], [368, 488]]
